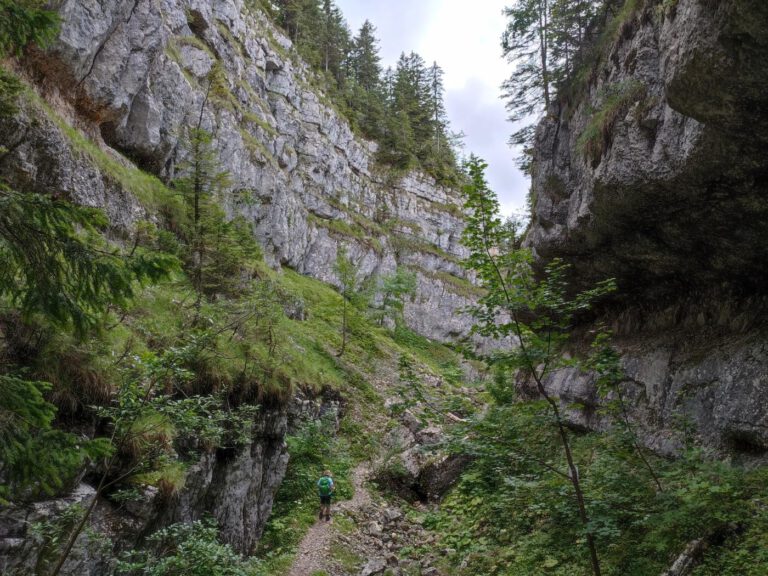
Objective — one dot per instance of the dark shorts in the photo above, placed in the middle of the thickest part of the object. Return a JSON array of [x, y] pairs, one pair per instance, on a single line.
[[325, 500]]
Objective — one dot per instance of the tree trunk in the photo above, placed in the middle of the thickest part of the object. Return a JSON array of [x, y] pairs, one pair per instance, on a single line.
[[688, 560]]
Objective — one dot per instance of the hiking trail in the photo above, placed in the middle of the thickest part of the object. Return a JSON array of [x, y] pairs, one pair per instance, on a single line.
[[363, 538], [314, 553]]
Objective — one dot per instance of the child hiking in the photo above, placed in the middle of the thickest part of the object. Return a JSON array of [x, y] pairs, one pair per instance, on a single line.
[[325, 489]]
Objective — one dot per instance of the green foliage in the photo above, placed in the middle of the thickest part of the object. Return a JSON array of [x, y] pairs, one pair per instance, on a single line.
[[222, 254], [393, 290], [416, 127], [535, 311], [190, 549], [52, 533], [313, 449], [347, 273], [509, 515], [36, 459], [615, 101], [403, 109], [52, 261], [10, 88], [25, 22], [542, 41]]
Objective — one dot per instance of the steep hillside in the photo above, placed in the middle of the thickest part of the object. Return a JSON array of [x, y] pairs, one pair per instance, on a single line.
[[135, 77], [104, 121], [652, 170]]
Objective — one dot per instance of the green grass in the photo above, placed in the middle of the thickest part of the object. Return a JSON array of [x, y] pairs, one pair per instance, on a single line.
[[312, 449], [453, 209], [615, 102], [460, 286], [346, 558], [394, 224], [344, 229], [147, 189], [414, 244], [594, 57], [258, 151]]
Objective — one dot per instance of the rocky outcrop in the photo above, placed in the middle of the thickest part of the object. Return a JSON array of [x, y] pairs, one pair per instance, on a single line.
[[654, 173], [103, 123], [137, 75], [235, 486], [237, 489]]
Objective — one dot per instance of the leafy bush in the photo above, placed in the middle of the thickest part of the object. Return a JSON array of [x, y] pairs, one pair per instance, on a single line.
[[512, 514], [185, 550]]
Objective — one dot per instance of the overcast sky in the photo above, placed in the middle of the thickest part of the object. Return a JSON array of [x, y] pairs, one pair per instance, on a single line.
[[464, 38]]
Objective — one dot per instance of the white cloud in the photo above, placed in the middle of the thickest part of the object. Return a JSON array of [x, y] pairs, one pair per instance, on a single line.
[[465, 41]]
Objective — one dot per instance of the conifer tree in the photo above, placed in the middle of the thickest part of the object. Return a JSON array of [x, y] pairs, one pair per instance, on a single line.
[[540, 41], [336, 42], [439, 117], [54, 265], [365, 59], [36, 459], [222, 253]]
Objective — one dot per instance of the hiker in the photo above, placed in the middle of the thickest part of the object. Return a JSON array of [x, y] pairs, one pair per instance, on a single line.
[[325, 489]]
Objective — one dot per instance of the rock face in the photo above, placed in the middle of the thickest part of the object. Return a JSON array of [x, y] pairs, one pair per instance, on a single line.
[[104, 123], [236, 487], [136, 74], [655, 174]]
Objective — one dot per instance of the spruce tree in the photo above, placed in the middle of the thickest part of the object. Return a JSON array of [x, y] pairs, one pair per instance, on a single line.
[[346, 271], [365, 59], [540, 41], [36, 459]]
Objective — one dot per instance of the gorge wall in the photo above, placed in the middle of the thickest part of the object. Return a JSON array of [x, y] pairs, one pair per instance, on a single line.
[[103, 123], [654, 172], [134, 76]]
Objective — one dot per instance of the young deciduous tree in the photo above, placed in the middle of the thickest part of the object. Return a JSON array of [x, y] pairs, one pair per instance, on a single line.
[[536, 314], [394, 289], [346, 271]]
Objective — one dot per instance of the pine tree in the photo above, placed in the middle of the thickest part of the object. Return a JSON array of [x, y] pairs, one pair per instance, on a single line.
[[541, 39], [365, 59]]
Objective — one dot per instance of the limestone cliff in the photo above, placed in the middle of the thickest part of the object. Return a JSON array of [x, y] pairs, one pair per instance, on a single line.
[[653, 172], [107, 107], [133, 75]]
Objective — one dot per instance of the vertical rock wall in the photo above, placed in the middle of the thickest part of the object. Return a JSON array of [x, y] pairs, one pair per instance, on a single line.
[[135, 74], [654, 173]]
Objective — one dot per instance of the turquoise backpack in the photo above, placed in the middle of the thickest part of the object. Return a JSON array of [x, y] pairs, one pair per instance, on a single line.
[[325, 486]]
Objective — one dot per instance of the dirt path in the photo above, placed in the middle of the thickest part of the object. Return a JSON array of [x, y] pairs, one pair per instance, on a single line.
[[314, 553]]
